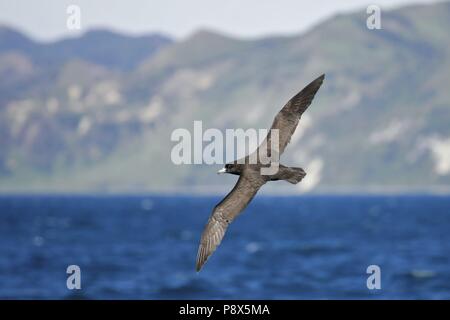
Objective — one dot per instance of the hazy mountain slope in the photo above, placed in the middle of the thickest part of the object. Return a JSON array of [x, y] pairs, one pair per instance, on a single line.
[[102, 47], [380, 119]]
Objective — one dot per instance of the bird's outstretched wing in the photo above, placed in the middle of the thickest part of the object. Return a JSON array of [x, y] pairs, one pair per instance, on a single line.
[[287, 119], [224, 213]]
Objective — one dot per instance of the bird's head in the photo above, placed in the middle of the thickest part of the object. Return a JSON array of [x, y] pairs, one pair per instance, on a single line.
[[232, 168]]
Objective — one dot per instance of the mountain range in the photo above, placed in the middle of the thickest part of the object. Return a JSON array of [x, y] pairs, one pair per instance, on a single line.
[[96, 113]]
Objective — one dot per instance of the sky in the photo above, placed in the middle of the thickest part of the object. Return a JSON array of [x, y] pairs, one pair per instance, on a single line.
[[45, 20]]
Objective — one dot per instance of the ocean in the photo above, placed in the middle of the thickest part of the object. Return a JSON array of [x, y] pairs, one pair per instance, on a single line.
[[296, 247]]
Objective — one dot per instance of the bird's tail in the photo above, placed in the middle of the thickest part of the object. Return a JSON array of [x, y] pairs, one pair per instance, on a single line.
[[291, 175], [295, 175]]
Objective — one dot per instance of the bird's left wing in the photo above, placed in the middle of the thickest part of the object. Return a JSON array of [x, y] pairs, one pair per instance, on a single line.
[[287, 119], [224, 213]]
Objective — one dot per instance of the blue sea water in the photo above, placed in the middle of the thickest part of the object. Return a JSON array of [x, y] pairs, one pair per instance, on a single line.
[[305, 247]]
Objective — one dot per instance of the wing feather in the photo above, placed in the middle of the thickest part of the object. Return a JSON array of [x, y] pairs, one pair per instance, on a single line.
[[287, 119], [223, 214]]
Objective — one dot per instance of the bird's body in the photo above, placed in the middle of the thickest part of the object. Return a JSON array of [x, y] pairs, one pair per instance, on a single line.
[[250, 174]]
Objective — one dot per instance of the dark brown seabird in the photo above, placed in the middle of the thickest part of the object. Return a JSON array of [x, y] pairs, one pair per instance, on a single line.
[[250, 177]]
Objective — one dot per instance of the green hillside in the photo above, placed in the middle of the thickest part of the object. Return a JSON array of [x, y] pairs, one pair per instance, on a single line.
[[381, 121]]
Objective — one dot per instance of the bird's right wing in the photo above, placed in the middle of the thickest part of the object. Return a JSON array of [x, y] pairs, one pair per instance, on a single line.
[[224, 213]]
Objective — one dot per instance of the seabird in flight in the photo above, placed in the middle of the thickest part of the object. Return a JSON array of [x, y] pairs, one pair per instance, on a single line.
[[250, 177]]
